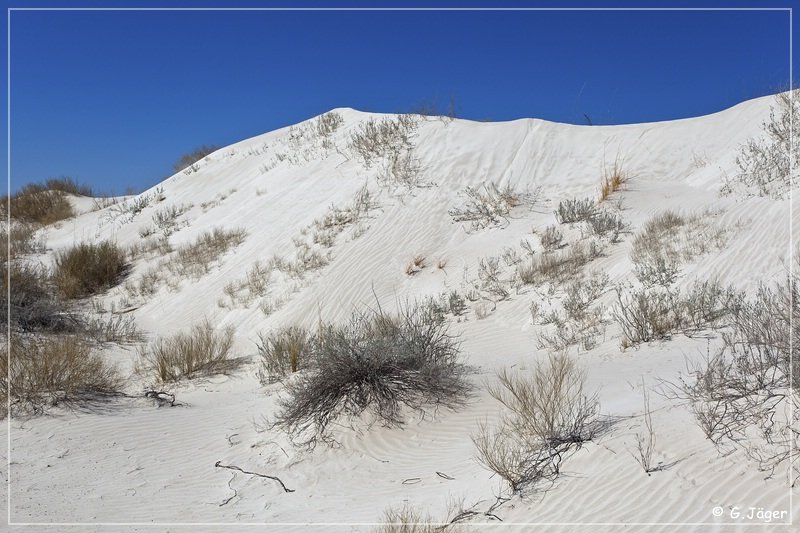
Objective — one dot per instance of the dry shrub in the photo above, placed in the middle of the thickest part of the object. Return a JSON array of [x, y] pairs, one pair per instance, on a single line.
[[87, 268], [575, 210], [200, 352], [376, 363], [551, 238], [765, 164], [33, 305], [651, 314], [559, 266], [19, 239], [490, 206], [548, 415], [195, 259], [747, 395], [282, 353], [53, 369], [667, 240]]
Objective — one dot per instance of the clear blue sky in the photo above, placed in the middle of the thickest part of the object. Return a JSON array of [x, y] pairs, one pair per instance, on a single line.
[[113, 98]]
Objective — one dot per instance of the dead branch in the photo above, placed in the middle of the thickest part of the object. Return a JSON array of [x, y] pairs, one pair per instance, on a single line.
[[219, 464]]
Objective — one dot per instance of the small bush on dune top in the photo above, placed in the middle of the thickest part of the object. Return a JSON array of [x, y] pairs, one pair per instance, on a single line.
[[86, 268], [188, 162], [44, 203], [376, 363], [203, 350]]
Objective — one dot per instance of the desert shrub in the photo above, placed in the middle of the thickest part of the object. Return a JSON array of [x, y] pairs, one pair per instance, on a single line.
[[581, 293], [765, 164], [747, 395], [54, 369], [383, 139], [655, 253], [490, 279], [650, 314], [605, 223], [377, 363], [19, 238], [327, 123], [645, 316], [43, 203], [68, 185], [558, 266], [188, 162], [150, 246], [120, 329], [490, 206], [548, 414], [195, 259], [551, 238], [575, 210], [87, 268], [166, 218], [36, 204], [282, 353], [202, 351], [33, 305]]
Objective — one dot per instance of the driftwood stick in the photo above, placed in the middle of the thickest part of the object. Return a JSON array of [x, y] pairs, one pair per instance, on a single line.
[[219, 464]]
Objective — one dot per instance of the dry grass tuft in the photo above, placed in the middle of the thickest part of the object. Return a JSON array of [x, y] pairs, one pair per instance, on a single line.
[[282, 353], [202, 351], [614, 178], [415, 265]]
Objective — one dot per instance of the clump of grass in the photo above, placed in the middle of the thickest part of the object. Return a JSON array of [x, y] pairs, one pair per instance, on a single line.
[[54, 369], [86, 268], [202, 351], [416, 264], [284, 352], [195, 259], [614, 177], [558, 266]]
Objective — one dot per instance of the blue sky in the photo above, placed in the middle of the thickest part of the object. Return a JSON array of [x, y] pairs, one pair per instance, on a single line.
[[113, 98]]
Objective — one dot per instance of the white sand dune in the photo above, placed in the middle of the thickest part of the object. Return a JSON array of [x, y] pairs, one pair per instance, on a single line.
[[129, 462]]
